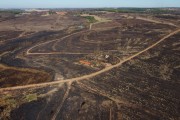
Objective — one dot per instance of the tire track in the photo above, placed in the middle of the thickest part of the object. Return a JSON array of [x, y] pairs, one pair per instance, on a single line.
[[30, 53], [61, 104], [115, 99], [102, 93]]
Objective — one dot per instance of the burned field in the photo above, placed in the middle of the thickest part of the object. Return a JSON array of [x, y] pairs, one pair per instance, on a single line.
[[135, 84], [120, 66]]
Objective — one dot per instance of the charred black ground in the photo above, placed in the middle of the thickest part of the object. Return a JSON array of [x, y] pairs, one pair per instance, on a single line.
[[89, 64]]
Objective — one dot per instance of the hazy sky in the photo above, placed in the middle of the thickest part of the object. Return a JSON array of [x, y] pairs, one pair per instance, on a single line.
[[86, 3]]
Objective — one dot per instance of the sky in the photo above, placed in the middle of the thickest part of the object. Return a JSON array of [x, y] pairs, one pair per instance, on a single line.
[[87, 3]]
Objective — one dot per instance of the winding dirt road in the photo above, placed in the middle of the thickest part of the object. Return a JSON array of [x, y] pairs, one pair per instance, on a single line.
[[23, 34], [37, 53], [85, 77]]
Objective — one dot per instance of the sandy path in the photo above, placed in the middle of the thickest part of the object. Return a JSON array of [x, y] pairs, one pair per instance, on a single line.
[[61, 104], [29, 50], [85, 77]]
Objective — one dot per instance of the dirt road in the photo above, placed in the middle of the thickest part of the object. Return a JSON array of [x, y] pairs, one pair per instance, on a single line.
[[29, 50], [155, 21], [64, 98], [85, 77], [23, 34]]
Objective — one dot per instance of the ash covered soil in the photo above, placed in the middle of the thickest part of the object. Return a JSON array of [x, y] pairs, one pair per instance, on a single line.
[[118, 66]]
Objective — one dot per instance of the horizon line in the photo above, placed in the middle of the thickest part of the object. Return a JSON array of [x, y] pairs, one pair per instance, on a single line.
[[77, 7]]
